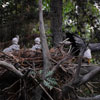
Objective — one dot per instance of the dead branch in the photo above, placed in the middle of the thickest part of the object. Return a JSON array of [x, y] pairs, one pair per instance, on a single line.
[[94, 46], [90, 98], [77, 73], [90, 75], [11, 68]]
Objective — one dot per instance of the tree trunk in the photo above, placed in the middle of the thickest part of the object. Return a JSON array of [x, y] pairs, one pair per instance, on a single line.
[[45, 50], [56, 21]]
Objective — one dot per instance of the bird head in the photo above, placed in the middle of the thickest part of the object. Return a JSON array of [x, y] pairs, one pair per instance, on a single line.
[[15, 40], [37, 40]]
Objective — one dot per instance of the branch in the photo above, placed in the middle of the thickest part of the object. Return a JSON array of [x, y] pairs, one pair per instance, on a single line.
[[90, 75], [77, 73], [11, 68], [70, 86], [90, 98], [94, 46]]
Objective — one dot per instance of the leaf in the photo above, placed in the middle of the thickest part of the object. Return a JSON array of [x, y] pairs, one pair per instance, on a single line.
[[52, 81], [49, 73], [48, 84]]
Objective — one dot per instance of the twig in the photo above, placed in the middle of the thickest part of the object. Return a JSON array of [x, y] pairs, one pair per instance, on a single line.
[[7, 88]]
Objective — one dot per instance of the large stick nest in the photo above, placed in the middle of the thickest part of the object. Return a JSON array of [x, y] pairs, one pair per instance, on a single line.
[[30, 64]]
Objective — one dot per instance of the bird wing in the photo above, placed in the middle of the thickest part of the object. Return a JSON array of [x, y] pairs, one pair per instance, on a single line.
[[79, 41]]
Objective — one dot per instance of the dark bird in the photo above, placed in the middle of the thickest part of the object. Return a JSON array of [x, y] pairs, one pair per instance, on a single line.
[[77, 44]]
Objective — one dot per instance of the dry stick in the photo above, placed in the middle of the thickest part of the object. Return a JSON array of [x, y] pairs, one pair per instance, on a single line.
[[11, 68], [61, 61]]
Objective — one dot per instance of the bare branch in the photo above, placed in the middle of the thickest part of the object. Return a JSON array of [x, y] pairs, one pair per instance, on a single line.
[[90, 98], [90, 75], [11, 68]]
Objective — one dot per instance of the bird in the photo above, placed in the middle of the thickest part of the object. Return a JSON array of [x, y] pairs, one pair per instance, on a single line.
[[87, 55], [37, 45], [14, 46], [77, 44]]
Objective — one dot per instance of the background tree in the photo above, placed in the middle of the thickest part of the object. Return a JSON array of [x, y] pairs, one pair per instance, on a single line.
[[56, 20]]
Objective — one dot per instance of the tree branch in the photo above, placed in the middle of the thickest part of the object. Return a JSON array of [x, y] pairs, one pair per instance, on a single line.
[[89, 98], [90, 75], [11, 68]]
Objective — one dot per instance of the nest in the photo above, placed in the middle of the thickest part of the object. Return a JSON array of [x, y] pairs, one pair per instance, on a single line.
[[30, 64]]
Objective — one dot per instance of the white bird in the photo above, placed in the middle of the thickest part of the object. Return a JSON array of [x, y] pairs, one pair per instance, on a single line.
[[87, 55], [37, 45], [14, 46]]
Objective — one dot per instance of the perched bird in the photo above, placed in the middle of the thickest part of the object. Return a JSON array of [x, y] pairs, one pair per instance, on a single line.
[[14, 46], [87, 55], [37, 45], [77, 44]]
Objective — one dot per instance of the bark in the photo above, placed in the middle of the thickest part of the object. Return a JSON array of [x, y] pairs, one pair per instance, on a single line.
[[56, 21], [45, 50]]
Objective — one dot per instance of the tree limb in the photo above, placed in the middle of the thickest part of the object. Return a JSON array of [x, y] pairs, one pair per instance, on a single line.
[[89, 98], [90, 75], [11, 68]]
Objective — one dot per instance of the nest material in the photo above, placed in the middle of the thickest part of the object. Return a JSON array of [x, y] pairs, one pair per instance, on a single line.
[[14, 88]]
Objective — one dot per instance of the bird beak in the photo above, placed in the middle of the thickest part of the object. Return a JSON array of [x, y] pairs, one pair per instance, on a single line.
[[88, 61]]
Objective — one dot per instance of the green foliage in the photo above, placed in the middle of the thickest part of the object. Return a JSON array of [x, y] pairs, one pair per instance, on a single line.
[[40, 72], [92, 9], [95, 61], [50, 82], [49, 74], [68, 7], [73, 29], [83, 20], [46, 5], [47, 84]]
